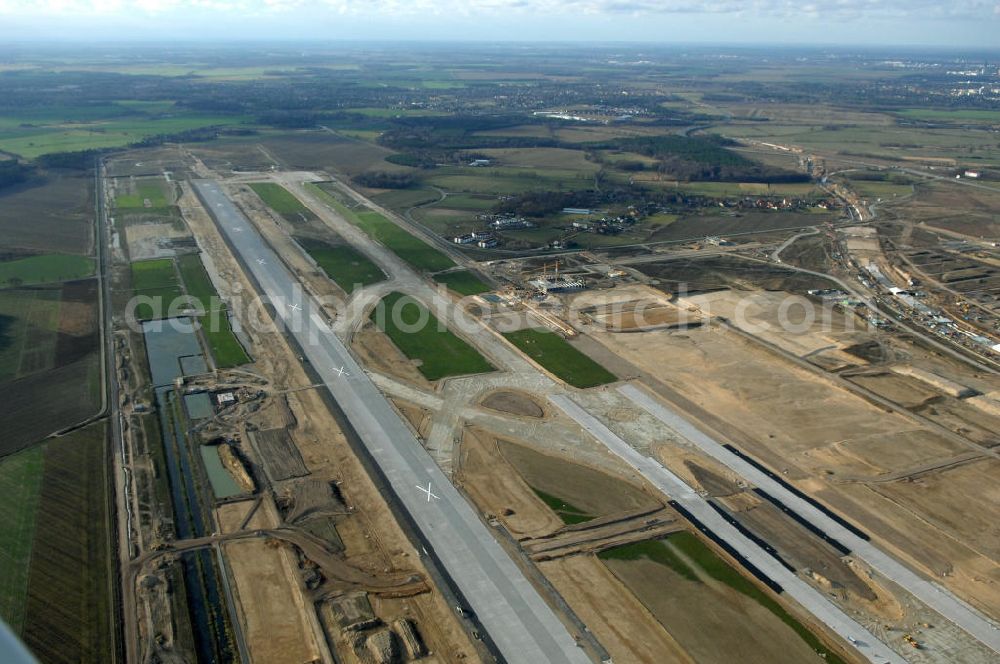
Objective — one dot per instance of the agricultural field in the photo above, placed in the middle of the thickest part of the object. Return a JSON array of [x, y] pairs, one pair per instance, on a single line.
[[556, 355], [50, 214], [508, 180], [283, 202], [67, 613], [881, 189], [42, 403], [29, 325], [731, 614], [728, 224], [348, 267], [972, 146], [463, 282], [323, 151], [45, 268], [966, 115], [421, 337], [32, 135], [20, 485], [404, 199]]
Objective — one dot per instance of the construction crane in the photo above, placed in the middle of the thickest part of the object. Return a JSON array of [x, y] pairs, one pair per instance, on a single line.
[[545, 270]]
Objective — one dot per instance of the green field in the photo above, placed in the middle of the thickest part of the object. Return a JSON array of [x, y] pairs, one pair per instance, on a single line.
[[348, 267], [145, 190], [45, 268], [654, 550], [283, 202], [197, 282], [414, 251], [463, 282], [215, 325], [676, 551], [973, 115], [158, 273], [20, 486], [404, 199], [439, 351], [559, 357], [157, 280], [568, 513], [468, 202], [874, 189], [60, 135], [225, 347]]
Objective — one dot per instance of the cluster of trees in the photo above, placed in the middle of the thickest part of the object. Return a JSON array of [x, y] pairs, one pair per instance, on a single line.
[[544, 203], [13, 172], [697, 158], [384, 180]]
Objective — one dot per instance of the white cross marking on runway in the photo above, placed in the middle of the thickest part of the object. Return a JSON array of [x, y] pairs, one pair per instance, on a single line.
[[341, 372], [429, 493], [295, 307], [261, 261]]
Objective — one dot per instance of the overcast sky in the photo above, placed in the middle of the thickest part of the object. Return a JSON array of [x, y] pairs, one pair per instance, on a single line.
[[955, 23]]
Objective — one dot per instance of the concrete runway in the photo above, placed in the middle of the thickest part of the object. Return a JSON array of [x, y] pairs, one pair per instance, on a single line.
[[517, 619]]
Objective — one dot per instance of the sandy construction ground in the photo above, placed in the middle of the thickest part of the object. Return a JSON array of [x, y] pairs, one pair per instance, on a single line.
[[831, 441], [269, 598], [797, 324], [497, 489], [270, 602]]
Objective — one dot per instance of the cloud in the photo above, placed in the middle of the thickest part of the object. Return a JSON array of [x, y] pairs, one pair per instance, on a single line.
[[835, 9]]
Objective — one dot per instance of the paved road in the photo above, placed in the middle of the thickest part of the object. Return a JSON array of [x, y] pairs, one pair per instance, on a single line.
[[935, 596], [811, 599], [520, 623]]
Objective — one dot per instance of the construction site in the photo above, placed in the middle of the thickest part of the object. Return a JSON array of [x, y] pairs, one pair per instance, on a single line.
[[708, 483]]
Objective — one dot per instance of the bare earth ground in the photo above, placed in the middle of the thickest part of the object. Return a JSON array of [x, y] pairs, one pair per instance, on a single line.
[[376, 350], [498, 489], [513, 403], [795, 422], [269, 595], [144, 240], [758, 312]]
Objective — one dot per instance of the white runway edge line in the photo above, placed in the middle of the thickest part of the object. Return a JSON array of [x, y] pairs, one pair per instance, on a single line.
[[675, 488], [519, 622], [933, 595]]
